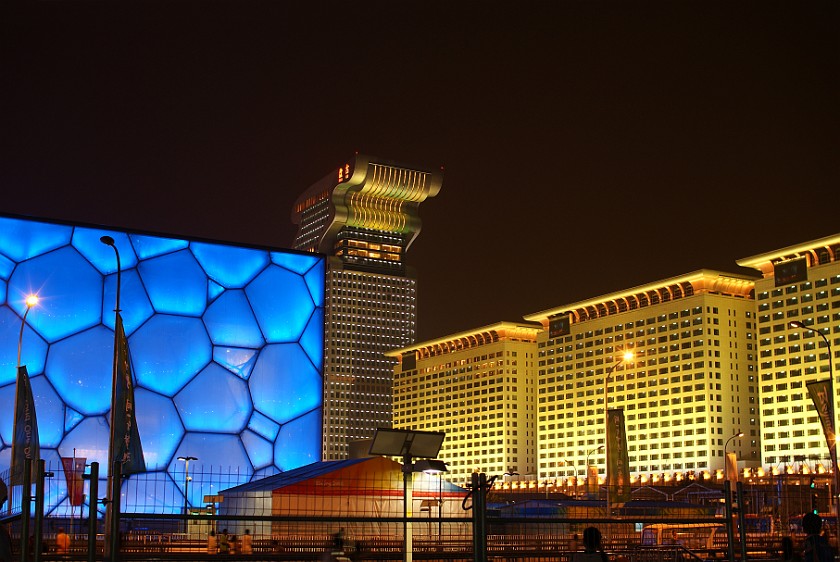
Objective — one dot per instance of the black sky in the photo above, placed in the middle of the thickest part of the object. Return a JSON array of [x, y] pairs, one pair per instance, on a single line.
[[588, 146]]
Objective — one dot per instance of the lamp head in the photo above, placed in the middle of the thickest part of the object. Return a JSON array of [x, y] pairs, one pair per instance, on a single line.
[[107, 240], [796, 324], [31, 300], [628, 356]]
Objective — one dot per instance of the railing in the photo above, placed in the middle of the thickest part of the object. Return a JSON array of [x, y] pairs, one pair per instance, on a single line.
[[498, 546]]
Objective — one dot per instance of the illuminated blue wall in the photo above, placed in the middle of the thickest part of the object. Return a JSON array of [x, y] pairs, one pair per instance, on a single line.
[[226, 344]]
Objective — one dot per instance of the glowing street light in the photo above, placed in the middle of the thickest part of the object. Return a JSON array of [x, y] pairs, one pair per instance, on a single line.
[[31, 300], [586, 468], [736, 436]]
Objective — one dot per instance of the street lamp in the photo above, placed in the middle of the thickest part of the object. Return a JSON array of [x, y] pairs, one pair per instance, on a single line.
[[112, 508], [736, 436], [435, 466], [30, 443], [628, 356], [31, 301], [727, 496], [726, 458], [586, 468], [186, 461], [833, 443]]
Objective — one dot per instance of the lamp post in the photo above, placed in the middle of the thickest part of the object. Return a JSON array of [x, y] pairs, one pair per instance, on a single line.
[[31, 301], [586, 468], [112, 510], [435, 466], [728, 441], [727, 498], [833, 444], [30, 445], [186, 461], [628, 356]]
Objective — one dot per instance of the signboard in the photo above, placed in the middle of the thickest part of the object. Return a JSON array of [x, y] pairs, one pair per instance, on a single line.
[[790, 271], [344, 173], [559, 326]]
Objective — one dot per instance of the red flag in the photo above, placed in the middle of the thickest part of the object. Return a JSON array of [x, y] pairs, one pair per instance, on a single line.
[[74, 469]]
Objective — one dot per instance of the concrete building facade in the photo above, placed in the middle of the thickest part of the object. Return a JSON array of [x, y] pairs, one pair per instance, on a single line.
[[690, 387], [714, 355], [363, 217], [479, 388], [798, 283]]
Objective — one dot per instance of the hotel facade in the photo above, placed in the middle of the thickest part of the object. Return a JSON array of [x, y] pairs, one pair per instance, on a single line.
[[479, 388], [714, 356], [528, 397], [363, 217], [690, 386], [800, 283]]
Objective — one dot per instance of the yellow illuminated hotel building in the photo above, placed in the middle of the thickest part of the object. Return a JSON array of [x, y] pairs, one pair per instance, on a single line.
[[479, 388], [714, 355], [798, 284], [690, 386], [363, 217]]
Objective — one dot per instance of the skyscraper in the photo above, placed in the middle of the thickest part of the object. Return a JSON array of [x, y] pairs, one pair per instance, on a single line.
[[363, 217]]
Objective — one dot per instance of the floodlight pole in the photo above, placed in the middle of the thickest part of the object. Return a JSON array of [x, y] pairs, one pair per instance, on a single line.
[[112, 508], [408, 482], [405, 443], [607, 473]]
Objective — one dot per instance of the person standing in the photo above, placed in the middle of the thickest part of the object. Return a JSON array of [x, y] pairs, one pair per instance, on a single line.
[[62, 542], [224, 542], [815, 546], [593, 551], [212, 543], [247, 542]]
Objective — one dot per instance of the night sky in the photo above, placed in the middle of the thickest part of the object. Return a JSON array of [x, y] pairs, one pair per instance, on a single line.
[[588, 146]]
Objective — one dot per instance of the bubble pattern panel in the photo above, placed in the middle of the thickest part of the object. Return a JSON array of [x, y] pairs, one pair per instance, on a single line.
[[226, 345]]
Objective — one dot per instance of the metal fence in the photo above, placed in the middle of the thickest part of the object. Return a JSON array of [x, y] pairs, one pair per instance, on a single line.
[[301, 521]]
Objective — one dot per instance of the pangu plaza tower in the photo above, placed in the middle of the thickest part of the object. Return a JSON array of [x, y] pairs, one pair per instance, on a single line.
[[363, 217]]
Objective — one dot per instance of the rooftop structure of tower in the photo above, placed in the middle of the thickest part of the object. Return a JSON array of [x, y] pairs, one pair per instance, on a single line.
[[363, 216]]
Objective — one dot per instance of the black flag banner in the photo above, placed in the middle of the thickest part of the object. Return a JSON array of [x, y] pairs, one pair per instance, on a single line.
[[821, 394], [25, 443], [127, 447]]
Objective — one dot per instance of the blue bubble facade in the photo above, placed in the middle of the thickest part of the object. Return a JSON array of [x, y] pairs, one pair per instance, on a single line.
[[226, 345]]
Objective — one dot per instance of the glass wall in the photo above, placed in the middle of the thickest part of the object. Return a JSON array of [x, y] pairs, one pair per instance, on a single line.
[[226, 345]]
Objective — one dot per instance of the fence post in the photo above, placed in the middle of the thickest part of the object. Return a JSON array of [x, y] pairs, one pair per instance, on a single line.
[[479, 514], [730, 534], [93, 511], [739, 487], [25, 509], [38, 529], [113, 544]]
